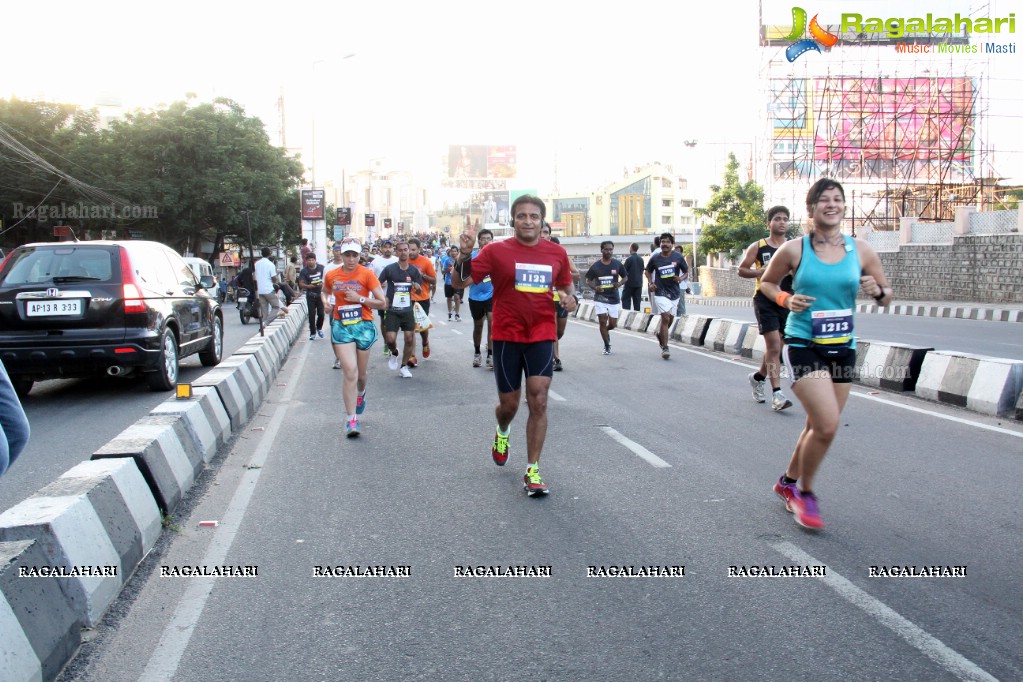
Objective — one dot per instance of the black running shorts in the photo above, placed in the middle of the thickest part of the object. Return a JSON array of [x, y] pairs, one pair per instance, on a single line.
[[802, 360], [771, 317], [512, 359], [480, 309]]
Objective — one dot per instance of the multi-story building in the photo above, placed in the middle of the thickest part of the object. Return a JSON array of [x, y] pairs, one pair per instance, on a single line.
[[650, 200], [383, 202]]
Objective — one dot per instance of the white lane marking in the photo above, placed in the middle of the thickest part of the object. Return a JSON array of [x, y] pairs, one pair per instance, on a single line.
[[455, 331], [931, 413], [638, 449], [554, 395], [947, 417], [163, 663], [931, 647]]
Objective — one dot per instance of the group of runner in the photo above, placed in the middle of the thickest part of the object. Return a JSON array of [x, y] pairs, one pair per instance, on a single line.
[[804, 301]]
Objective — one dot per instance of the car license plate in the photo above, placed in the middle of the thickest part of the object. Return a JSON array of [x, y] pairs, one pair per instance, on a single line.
[[60, 307], [243, 299]]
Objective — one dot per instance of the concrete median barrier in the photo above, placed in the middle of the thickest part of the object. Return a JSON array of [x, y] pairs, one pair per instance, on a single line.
[[976, 382], [266, 355], [68, 528], [40, 629], [891, 366], [726, 335], [238, 387], [204, 416], [165, 455], [584, 310], [640, 322], [753, 345], [694, 330]]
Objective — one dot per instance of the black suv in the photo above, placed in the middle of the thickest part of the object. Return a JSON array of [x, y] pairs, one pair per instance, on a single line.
[[76, 309]]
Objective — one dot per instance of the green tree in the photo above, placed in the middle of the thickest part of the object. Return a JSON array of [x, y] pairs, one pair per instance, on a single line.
[[203, 167], [737, 214], [183, 174], [42, 145]]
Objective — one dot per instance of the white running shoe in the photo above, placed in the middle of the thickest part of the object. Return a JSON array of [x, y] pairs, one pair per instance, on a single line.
[[779, 402], [393, 363], [405, 373], [758, 388]]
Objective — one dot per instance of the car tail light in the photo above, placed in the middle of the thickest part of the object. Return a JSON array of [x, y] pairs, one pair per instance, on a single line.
[[4, 261], [133, 302]]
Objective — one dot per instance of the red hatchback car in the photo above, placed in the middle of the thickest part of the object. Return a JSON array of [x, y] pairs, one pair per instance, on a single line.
[[77, 309]]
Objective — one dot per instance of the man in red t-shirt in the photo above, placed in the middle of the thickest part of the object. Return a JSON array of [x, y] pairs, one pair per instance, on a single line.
[[524, 270]]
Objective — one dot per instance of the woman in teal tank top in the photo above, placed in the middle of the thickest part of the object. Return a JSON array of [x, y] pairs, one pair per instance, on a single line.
[[829, 268]]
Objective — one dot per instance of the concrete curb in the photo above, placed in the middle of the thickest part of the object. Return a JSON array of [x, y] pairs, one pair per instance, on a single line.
[[891, 366], [584, 309], [726, 335], [640, 322], [157, 444], [205, 419], [40, 631], [98, 514], [238, 386], [694, 330], [976, 382]]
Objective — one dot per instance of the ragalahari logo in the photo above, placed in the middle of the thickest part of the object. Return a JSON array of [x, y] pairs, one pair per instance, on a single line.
[[819, 38]]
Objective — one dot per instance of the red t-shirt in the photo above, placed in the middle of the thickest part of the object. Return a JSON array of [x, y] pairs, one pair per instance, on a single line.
[[523, 277]]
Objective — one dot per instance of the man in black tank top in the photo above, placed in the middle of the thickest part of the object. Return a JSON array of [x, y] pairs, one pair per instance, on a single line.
[[771, 317]]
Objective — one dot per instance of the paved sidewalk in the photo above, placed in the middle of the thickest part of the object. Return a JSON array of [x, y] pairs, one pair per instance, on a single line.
[[1010, 312]]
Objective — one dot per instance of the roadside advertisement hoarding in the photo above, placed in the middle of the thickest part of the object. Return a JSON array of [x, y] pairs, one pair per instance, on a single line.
[[312, 204]]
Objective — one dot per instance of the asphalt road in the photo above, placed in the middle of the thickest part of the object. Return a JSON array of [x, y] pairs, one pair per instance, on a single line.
[[930, 486], [71, 418]]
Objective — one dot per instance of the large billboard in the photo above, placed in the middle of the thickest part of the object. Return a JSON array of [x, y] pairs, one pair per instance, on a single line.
[[883, 128], [481, 167]]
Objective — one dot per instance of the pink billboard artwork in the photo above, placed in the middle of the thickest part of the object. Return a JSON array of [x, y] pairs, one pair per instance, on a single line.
[[501, 161]]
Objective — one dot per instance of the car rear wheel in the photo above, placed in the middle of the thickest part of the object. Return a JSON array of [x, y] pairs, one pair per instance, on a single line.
[[214, 352], [166, 375], [22, 386]]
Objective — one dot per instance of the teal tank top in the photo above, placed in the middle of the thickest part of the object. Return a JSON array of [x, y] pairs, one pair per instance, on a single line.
[[829, 321]]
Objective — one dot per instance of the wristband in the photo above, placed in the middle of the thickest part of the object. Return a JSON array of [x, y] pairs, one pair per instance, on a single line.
[[880, 296], [782, 298]]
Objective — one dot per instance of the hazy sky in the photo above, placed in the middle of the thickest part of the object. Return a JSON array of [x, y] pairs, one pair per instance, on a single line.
[[594, 86]]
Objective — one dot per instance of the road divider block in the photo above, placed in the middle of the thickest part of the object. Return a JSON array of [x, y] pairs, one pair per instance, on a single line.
[[204, 417], [240, 391], [40, 629], [71, 534], [640, 322], [251, 376], [584, 309], [726, 335], [165, 455], [753, 345], [694, 331], [625, 317], [266, 355], [976, 382], [891, 366]]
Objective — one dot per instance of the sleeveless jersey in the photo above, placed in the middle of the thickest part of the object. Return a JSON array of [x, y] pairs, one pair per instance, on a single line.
[[764, 253], [829, 321]]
